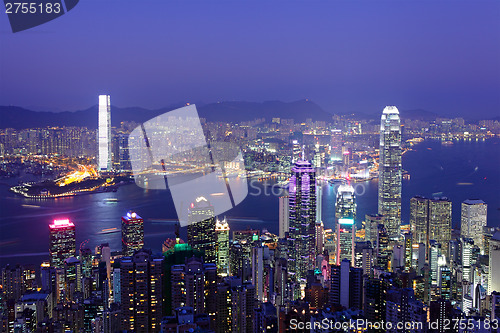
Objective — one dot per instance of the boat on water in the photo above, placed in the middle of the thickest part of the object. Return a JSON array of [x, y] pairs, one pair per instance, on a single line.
[[111, 200], [108, 231], [447, 143]]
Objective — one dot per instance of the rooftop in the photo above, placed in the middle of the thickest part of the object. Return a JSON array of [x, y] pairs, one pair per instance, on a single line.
[[474, 202], [61, 224]]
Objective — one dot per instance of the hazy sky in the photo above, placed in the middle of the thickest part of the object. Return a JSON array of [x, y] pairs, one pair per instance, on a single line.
[[442, 56]]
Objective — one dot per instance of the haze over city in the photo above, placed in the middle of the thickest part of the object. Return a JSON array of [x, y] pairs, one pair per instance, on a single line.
[[250, 167], [346, 56]]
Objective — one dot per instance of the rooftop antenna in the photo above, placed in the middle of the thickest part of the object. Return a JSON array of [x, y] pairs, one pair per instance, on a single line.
[[177, 233]]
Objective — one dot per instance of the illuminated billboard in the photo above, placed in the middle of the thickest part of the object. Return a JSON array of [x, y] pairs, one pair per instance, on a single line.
[[346, 221]]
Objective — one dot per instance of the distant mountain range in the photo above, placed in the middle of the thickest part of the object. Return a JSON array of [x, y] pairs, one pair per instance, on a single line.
[[237, 111]]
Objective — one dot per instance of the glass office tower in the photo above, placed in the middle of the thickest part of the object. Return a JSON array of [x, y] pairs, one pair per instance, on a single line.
[[302, 217], [390, 170]]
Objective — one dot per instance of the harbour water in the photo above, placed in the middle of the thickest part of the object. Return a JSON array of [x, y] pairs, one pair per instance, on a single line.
[[464, 170]]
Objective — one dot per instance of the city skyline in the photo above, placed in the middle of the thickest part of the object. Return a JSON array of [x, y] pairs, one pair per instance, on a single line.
[[265, 167]]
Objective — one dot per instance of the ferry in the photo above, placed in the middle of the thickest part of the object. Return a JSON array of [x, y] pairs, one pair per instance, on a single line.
[[108, 231]]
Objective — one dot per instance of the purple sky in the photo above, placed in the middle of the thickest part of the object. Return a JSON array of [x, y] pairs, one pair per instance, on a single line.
[[442, 56]]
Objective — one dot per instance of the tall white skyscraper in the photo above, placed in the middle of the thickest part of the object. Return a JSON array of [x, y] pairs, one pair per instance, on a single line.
[[104, 134], [319, 205], [474, 214], [390, 170], [494, 274], [283, 215]]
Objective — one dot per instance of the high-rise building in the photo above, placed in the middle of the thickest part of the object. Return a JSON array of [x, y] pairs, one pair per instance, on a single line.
[[468, 255], [403, 308], [302, 213], [408, 245], [320, 237], [430, 219], [345, 216], [371, 227], [141, 278], [444, 282], [104, 135], [474, 215], [222, 235], [375, 291], [13, 282], [390, 170], [364, 257], [62, 242], [296, 151], [346, 285], [494, 264], [283, 216], [319, 204], [235, 306], [336, 145], [440, 222], [382, 249], [419, 219], [190, 282], [201, 229], [123, 152], [132, 233]]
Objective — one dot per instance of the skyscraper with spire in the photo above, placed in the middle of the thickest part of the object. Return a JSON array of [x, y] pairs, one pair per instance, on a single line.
[[302, 217], [390, 170]]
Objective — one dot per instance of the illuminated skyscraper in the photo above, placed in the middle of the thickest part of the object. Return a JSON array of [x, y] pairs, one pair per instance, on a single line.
[[390, 170], [201, 229], [494, 274], [222, 234], [419, 219], [474, 215], [302, 216], [141, 283], [336, 145], [345, 216], [430, 219], [62, 242], [283, 216], [104, 135], [440, 222], [132, 233], [296, 151], [371, 227]]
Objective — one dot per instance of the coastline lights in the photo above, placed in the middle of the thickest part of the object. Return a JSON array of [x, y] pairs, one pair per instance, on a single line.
[[61, 224]]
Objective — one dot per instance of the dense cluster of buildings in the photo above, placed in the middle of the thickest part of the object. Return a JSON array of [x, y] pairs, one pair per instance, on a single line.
[[421, 277]]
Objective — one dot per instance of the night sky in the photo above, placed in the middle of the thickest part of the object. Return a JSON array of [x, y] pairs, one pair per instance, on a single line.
[[441, 56]]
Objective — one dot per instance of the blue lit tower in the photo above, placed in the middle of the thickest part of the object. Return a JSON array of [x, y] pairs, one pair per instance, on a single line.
[[132, 233], [302, 216], [390, 170]]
